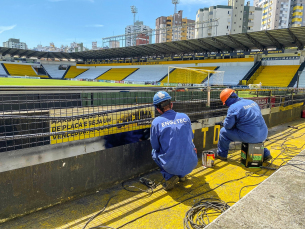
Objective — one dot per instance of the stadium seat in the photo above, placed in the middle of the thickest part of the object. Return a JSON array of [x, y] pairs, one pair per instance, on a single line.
[[276, 75], [74, 72], [92, 73], [301, 80], [184, 76], [117, 74], [20, 70], [152, 73], [53, 71], [2, 71], [233, 74]]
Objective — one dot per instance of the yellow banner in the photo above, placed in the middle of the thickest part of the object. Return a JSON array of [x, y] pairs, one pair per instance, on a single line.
[[97, 121], [289, 107]]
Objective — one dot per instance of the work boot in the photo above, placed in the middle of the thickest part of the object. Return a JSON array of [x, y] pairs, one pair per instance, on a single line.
[[182, 179], [267, 158], [221, 158], [169, 184]]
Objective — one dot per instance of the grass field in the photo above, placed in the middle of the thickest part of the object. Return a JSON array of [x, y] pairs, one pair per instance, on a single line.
[[48, 82]]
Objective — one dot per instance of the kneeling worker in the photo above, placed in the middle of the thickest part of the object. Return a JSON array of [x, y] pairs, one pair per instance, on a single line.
[[244, 122], [171, 138]]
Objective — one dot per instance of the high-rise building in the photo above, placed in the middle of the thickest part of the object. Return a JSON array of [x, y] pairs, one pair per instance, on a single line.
[[161, 29], [174, 28], [94, 45], [132, 31], [223, 20], [237, 15], [213, 21], [275, 13], [142, 39], [281, 14], [77, 47], [15, 43], [297, 14]]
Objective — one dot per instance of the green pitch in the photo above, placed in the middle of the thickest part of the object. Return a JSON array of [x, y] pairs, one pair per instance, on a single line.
[[51, 82]]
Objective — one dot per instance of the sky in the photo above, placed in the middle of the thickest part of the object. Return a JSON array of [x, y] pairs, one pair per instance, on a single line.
[[65, 21]]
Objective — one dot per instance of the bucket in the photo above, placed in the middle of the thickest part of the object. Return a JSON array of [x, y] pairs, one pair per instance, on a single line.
[[208, 158]]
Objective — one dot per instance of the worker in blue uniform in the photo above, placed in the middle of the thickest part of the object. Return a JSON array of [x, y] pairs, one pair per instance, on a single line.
[[171, 137], [244, 122]]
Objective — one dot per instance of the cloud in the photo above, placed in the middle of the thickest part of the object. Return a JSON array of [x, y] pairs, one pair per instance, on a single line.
[[96, 26], [5, 28]]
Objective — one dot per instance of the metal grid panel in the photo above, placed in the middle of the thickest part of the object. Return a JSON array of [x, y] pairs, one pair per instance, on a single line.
[[32, 118]]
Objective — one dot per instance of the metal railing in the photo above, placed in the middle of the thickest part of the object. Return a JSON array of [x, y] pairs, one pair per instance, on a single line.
[[34, 117]]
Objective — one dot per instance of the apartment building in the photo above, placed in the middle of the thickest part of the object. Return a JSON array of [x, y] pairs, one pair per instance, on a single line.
[[174, 28], [132, 31], [224, 20], [15, 43]]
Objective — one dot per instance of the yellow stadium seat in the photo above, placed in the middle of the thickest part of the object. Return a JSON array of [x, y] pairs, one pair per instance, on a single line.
[[276, 76], [74, 72], [117, 74], [184, 76], [20, 70]]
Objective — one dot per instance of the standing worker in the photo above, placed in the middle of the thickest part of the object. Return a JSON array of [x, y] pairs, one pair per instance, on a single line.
[[171, 137], [244, 122]]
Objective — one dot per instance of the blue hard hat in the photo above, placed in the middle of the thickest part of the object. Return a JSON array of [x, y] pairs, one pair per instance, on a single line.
[[161, 96]]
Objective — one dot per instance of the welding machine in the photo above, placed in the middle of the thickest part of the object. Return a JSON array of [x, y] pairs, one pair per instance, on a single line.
[[252, 155]]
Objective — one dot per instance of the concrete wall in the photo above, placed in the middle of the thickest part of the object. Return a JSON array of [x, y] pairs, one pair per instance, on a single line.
[[39, 177]]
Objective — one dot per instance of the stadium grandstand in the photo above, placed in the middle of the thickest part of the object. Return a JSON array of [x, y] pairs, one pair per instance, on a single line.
[[278, 53]]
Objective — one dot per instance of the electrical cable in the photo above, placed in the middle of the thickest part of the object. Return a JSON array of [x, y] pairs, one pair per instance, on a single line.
[[99, 214], [198, 214], [174, 205], [151, 185], [257, 175], [190, 213]]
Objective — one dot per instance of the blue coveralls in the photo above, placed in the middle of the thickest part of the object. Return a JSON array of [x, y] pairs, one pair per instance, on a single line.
[[171, 138], [245, 123]]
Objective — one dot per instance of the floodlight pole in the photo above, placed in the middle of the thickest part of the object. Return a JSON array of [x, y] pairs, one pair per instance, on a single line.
[[134, 10], [175, 2]]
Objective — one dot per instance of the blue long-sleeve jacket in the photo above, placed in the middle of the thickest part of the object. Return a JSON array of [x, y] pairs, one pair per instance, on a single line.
[[172, 142], [245, 115]]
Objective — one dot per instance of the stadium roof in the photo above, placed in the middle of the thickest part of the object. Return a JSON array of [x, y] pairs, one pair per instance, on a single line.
[[262, 40]]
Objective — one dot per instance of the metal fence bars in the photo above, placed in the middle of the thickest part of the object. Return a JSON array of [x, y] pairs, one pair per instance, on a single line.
[[32, 118]]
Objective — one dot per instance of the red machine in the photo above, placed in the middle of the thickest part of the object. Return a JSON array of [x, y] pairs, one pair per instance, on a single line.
[[303, 114]]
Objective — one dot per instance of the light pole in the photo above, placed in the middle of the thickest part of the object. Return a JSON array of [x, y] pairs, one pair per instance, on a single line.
[[134, 10], [174, 26]]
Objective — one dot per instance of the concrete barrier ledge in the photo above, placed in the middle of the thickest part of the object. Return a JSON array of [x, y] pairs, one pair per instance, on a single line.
[[278, 202], [40, 177]]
